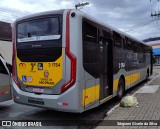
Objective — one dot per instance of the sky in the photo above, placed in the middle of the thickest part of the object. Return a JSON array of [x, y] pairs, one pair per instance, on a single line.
[[130, 16]]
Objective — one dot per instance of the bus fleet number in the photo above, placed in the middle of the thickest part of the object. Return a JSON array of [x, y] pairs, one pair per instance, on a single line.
[[54, 65], [121, 65]]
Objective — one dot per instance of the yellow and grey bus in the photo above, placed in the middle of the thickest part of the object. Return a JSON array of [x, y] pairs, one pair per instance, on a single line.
[[67, 61]]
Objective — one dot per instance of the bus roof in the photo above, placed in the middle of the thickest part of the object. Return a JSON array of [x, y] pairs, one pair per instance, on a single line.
[[41, 14], [83, 15], [110, 27]]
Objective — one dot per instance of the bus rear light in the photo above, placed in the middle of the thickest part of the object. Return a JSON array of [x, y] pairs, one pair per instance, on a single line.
[[70, 56], [63, 103], [15, 97], [13, 58], [72, 78]]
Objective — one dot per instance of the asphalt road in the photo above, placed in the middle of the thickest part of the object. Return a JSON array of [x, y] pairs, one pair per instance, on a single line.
[[12, 111]]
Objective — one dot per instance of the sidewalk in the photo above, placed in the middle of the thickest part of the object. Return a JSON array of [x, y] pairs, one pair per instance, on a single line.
[[148, 108]]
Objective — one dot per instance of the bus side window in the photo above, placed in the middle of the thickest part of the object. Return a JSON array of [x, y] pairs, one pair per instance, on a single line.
[[89, 33], [91, 56], [2, 68], [9, 66], [135, 49], [89, 43], [124, 44], [129, 44], [141, 55], [107, 34], [117, 40]]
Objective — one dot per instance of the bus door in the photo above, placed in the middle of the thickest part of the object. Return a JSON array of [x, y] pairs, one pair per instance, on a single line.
[[106, 79], [5, 89]]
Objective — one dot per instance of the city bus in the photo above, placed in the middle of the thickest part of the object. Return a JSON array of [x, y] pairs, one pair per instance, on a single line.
[[68, 61]]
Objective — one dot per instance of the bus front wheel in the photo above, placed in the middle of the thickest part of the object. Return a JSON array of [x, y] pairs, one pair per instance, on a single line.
[[147, 75]]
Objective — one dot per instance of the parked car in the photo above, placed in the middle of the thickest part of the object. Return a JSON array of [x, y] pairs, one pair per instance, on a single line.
[[5, 87]]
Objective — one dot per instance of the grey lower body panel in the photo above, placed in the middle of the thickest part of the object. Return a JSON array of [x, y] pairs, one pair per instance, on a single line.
[[55, 102]]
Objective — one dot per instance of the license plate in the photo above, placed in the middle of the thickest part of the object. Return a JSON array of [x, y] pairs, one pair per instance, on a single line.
[[38, 90]]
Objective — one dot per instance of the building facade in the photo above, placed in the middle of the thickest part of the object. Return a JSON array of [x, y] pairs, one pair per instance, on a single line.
[[155, 43]]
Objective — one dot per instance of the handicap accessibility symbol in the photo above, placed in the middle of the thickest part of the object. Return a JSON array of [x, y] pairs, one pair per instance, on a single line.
[[24, 78]]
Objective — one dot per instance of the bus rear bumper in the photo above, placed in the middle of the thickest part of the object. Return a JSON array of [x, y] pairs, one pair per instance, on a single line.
[[67, 102]]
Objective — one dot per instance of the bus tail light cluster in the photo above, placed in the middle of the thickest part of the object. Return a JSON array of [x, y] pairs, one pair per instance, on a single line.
[[14, 75], [70, 56]]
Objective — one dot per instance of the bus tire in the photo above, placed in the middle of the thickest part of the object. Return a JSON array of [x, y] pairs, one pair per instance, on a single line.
[[120, 90], [147, 74]]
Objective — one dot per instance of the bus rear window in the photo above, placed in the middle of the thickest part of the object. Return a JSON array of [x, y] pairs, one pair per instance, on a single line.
[[39, 29]]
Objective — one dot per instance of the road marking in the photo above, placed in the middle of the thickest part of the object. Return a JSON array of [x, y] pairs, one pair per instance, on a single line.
[[112, 109], [147, 84], [152, 79], [148, 89]]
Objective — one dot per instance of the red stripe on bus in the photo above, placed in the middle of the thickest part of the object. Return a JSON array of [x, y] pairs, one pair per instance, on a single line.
[[65, 104], [70, 56], [13, 57]]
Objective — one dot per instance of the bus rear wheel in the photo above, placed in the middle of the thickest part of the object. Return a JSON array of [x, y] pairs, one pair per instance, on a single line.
[[120, 91]]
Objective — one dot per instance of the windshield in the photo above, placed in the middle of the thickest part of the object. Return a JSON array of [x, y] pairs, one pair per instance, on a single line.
[[39, 29]]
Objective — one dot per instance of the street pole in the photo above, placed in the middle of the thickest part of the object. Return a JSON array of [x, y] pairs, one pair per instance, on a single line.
[[81, 4], [157, 14]]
